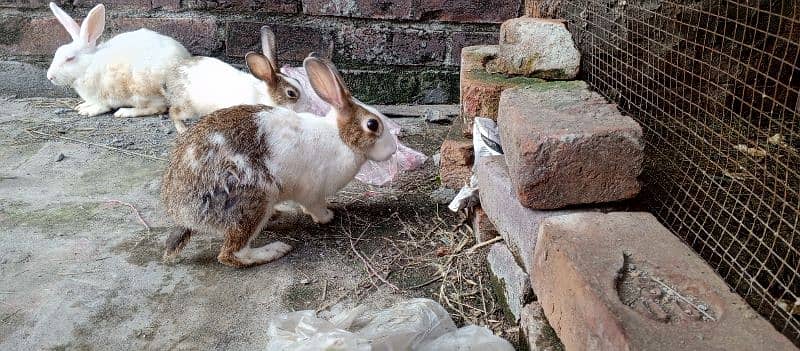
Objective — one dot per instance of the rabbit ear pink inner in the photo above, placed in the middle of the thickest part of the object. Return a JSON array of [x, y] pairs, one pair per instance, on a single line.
[[327, 83], [93, 25], [66, 21], [268, 45], [261, 68]]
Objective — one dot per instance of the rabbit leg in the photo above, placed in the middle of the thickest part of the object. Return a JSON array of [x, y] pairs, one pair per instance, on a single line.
[[236, 250], [318, 211], [91, 109], [139, 111], [175, 243], [177, 115]]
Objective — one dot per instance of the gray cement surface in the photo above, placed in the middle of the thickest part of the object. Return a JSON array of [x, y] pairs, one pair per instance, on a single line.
[[79, 271]]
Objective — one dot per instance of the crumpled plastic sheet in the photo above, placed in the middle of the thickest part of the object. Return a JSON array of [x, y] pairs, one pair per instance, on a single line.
[[372, 172], [485, 142], [416, 325]]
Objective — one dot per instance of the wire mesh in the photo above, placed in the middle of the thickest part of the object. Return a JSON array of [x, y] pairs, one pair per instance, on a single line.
[[715, 86]]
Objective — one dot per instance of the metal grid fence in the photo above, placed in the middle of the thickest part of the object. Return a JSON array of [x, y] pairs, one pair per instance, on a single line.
[[715, 86]]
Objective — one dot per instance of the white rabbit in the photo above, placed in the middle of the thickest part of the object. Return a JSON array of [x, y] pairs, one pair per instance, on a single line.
[[201, 85], [227, 173], [126, 72]]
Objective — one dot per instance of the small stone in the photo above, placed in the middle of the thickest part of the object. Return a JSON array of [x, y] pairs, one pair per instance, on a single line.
[[437, 117], [62, 111], [60, 157], [655, 292], [702, 308], [437, 159], [443, 196], [305, 281]]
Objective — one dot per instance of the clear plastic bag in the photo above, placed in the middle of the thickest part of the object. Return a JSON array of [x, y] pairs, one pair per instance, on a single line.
[[485, 142], [416, 324], [375, 173]]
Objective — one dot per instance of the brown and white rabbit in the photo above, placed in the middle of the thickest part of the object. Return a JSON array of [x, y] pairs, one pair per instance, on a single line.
[[227, 173], [201, 85], [125, 72]]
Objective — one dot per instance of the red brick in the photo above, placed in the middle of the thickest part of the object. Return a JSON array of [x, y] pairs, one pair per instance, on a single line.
[[518, 225], [31, 3], [455, 167], [463, 39], [480, 90], [491, 11], [294, 43], [274, 6], [535, 47], [393, 46], [37, 36], [198, 34], [482, 226], [137, 4], [587, 264], [42, 36], [564, 145]]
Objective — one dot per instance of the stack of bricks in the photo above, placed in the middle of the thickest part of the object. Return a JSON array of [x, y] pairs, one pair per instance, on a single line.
[[573, 271], [415, 44]]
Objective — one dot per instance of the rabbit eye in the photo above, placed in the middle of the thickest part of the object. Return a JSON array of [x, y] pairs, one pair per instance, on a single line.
[[70, 59], [372, 124], [291, 94]]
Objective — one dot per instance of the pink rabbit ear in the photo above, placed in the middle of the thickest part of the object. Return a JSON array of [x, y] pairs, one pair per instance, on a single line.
[[93, 25], [66, 21], [327, 83]]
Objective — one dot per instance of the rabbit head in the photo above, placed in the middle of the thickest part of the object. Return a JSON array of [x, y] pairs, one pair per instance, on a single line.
[[361, 127], [71, 60], [283, 90]]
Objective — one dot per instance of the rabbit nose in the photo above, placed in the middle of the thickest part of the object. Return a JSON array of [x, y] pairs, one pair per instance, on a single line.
[[50, 77]]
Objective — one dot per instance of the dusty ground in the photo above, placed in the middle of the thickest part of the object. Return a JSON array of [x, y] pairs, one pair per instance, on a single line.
[[79, 271]]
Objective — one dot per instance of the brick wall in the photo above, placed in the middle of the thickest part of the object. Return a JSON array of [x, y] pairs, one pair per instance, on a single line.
[[390, 51]]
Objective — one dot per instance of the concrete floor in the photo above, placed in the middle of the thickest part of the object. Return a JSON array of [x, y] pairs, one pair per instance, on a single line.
[[78, 271]]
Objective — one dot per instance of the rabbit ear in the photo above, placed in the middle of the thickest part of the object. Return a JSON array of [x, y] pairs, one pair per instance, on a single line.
[[66, 21], [93, 25], [261, 67], [327, 83], [268, 45]]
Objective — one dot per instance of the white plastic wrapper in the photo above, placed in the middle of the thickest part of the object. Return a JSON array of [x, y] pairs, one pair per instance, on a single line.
[[416, 324], [485, 142], [375, 173]]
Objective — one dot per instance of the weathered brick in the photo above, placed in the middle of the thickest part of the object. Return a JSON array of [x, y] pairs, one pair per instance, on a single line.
[[137, 4], [511, 284], [482, 226], [393, 46], [533, 47], [463, 39], [276, 6], [405, 85], [31, 3], [564, 145], [294, 43], [620, 281], [42, 36], [480, 90], [539, 335], [518, 225], [542, 8], [455, 167], [491, 11], [37, 36], [389, 9], [198, 34]]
